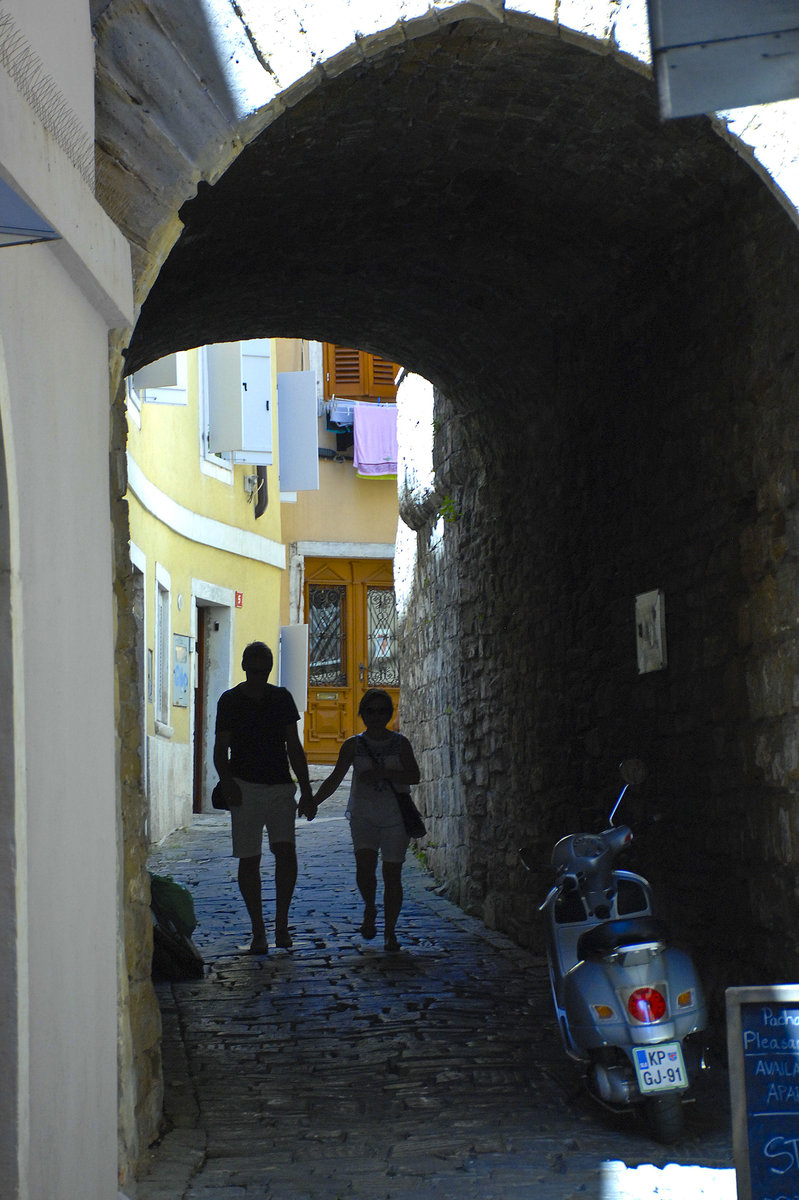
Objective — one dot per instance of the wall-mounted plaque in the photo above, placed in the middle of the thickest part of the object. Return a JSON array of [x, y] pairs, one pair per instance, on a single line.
[[181, 649]]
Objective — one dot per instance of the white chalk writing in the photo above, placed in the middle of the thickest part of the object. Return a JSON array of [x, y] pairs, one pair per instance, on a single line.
[[783, 1153]]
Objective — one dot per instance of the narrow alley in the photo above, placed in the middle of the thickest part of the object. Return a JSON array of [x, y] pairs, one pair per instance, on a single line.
[[335, 1070]]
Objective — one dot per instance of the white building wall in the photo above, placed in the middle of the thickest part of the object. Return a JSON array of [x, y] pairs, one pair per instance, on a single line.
[[58, 804], [49, 28], [170, 768], [66, 650]]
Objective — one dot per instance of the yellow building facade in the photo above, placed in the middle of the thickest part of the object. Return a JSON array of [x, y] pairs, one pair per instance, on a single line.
[[208, 560], [225, 552]]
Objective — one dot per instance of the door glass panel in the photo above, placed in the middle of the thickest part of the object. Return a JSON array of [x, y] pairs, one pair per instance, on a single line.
[[327, 666], [381, 624]]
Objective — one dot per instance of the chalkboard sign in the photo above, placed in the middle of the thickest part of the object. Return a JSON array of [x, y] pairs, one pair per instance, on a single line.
[[763, 1046]]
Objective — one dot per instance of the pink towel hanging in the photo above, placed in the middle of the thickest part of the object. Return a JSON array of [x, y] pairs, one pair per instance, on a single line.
[[375, 439]]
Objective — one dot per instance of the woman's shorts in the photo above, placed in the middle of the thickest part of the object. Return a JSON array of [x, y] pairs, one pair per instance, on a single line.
[[267, 806], [391, 841]]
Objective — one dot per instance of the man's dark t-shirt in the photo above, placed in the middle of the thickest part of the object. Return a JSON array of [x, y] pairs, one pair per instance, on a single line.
[[257, 729]]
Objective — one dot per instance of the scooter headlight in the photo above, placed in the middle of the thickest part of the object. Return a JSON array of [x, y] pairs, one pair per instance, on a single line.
[[646, 1005]]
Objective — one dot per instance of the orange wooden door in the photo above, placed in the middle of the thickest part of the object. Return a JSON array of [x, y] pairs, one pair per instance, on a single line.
[[352, 628]]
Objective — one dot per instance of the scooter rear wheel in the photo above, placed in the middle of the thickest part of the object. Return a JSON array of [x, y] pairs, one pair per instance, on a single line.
[[664, 1115]]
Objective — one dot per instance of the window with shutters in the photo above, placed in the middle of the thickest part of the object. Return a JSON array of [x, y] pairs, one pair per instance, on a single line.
[[161, 382], [358, 374], [235, 406]]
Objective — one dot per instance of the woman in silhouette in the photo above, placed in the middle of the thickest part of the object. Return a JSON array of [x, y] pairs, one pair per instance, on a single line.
[[382, 762]]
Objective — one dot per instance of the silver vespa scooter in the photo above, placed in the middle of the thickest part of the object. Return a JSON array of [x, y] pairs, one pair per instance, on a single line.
[[629, 1005]]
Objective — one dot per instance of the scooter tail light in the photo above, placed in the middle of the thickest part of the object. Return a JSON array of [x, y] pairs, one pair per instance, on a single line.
[[646, 1005]]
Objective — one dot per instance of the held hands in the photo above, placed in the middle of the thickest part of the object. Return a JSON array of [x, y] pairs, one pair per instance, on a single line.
[[307, 806]]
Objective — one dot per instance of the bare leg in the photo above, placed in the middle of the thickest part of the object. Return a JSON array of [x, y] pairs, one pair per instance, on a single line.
[[366, 879], [392, 902], [250, 888], [285, 879]]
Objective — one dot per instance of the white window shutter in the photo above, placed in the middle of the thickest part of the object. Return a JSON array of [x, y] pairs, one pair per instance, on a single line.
[[163, 381], [240, 400], [293, 663], [298, 431], [223, 372], [256, 370]]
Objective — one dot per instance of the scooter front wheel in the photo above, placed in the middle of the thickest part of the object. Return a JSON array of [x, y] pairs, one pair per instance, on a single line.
[[664, 1116]]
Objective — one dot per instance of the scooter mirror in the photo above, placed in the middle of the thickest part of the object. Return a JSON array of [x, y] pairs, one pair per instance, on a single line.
[[527, 857], [633, 770]]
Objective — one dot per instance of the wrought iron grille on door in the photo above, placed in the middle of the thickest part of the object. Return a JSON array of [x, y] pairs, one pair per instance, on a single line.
[[382, 669], [326, 636]]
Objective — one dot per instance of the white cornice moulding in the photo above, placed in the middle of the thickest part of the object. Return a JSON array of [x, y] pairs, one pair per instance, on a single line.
[[345, 549], [203, 530]]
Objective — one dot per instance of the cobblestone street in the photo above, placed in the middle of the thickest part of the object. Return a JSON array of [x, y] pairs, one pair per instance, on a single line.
[[335, 1070]]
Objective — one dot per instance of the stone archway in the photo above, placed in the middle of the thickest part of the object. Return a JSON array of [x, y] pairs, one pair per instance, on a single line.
[[483, 171], [601, 301], [183, 87]]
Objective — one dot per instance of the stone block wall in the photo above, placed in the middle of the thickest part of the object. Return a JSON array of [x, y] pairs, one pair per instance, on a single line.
[[655, 447], [140, 1082]]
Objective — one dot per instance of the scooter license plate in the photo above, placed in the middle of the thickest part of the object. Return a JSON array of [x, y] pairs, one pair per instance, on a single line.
[[660, 1068]]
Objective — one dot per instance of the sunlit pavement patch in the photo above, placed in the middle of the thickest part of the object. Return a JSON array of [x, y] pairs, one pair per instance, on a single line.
[[673, 1182]]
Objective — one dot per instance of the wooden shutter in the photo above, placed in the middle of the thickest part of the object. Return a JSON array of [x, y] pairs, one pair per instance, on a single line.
[[383, 375], [358, 374], [343, 372]]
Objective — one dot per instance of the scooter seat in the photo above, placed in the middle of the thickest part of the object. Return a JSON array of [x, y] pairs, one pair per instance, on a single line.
[[611, 936]]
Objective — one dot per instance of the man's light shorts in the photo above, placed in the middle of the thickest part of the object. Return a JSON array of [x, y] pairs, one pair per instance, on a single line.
[[267, 806], [390, 840]]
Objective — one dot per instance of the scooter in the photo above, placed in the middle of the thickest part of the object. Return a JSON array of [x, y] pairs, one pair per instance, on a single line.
[[629, 1005]]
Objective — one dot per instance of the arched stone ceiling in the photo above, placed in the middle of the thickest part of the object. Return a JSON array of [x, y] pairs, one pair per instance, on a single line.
[[467, 186]]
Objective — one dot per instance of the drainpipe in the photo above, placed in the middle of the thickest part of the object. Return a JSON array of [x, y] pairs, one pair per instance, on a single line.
[[262, 498]]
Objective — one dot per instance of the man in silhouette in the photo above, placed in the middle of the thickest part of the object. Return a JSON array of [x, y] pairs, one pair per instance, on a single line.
[[256, 740]]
